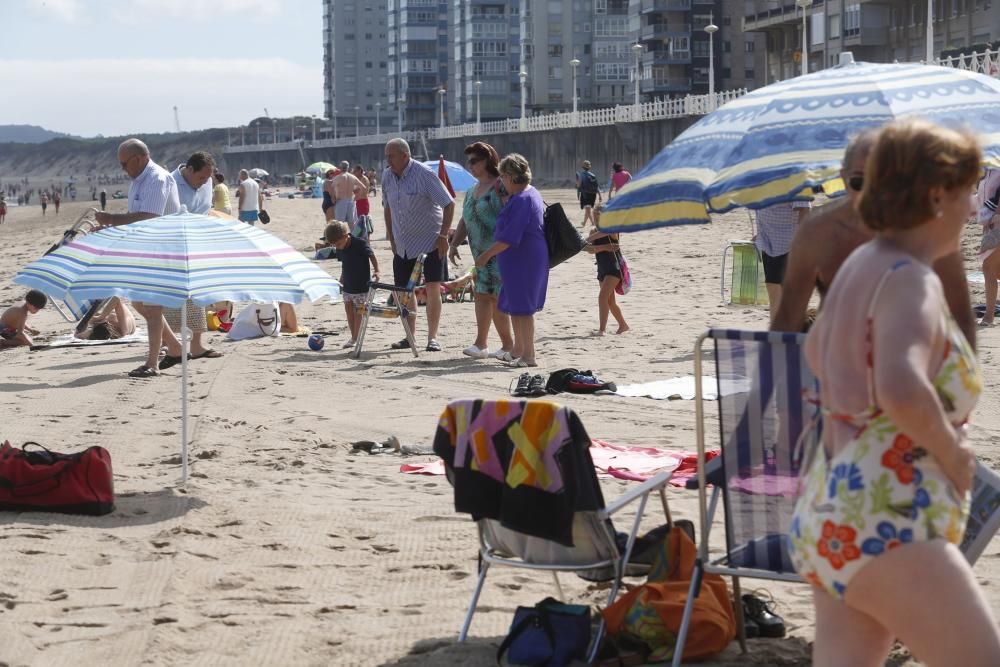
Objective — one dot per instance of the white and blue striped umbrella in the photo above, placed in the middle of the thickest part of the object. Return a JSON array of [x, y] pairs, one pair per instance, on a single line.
[[167, 260], [775, 144]]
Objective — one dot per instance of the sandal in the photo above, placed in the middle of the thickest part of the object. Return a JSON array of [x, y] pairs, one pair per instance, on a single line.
[[401, 345], [143, 371], [433, 346], [207, 354], [169, 361]]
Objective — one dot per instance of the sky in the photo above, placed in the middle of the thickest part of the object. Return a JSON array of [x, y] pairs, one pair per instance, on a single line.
[[119, 67]]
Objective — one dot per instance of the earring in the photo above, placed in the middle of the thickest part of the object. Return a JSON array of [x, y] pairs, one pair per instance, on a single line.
[[940, 213]]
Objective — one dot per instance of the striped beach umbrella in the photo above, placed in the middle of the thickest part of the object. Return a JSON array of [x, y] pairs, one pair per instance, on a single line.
[[777, 143], [167, 260]]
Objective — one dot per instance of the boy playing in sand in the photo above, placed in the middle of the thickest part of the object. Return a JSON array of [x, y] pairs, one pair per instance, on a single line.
[[14, 329], [354, 255]]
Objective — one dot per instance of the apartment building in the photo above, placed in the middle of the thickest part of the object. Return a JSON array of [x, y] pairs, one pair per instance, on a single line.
[[418, 59], [874, 31], [355, 67], [484, 39]]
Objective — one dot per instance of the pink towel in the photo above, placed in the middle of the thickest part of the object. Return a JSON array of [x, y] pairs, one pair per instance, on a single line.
[[628, 462]]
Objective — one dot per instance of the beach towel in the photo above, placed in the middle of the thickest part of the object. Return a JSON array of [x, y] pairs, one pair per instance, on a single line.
[[682, 388], [69, 340]]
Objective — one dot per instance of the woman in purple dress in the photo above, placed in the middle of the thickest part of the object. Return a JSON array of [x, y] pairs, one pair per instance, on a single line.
[[522, 256]]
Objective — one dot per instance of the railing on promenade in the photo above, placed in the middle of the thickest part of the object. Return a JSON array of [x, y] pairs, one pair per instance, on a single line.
[[987, 62]]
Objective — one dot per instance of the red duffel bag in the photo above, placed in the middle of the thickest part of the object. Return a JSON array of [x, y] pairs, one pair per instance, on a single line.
[[46, 481]]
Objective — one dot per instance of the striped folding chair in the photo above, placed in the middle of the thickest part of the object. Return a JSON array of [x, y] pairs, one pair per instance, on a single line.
[[765, 424], [72, 309], [403, 298]]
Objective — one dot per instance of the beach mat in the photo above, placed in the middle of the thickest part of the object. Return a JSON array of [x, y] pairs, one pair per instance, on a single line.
[[69, 340], [682, 388], [628, 462]]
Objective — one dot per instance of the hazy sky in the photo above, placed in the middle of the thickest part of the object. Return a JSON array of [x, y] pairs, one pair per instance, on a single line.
[[117, 67]]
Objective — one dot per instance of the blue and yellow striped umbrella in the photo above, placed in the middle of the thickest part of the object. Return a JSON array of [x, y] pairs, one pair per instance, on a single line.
[[166, 260], [777, 143]]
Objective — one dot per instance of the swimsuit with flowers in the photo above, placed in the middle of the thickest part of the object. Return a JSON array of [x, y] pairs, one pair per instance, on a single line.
[[882, 490]]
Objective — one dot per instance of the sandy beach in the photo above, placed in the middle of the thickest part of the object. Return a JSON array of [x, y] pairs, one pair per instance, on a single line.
[[287, 547]]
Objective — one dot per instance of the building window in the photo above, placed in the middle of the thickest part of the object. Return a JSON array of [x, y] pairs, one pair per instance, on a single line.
[[611, 27], [611, 71], [748, 74], [852, 21], [749, 46], [727, 47], [835, 26]]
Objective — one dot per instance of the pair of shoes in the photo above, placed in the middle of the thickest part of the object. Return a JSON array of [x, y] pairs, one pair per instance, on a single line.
[[433, 346], [476, 352], [505, 356], [207, 354], [349, 344], [521, 363], [143, 371], [529, 385], [500, 354], [759, 613], [401, 345], [169, 361]]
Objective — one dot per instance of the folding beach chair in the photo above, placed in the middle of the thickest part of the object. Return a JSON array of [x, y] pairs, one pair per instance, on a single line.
[[523, 470], [71, 309], [766, 435], [403, 298]]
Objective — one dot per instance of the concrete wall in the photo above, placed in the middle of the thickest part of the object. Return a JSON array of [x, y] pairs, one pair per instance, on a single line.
[[555, 155]]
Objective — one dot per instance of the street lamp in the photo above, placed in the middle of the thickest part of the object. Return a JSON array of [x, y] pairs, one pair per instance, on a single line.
[[314, 128], [228, 140], [274, 130], [378, 118], [711, 28], [334, 123], [293, 128], [357, 126], [523, 76], [637, 50], [805, 46], [478, 85], [257, 123], [399, 112], [242, 140], [574, 64], [441, 93]]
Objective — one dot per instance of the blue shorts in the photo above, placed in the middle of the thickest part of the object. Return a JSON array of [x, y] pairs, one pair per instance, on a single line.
[[249, 217]]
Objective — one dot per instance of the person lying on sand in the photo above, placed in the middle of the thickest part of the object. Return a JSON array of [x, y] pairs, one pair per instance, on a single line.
[[14, 329], [114, 321]]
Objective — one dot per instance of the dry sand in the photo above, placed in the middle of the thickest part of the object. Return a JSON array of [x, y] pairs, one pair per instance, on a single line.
[[287, 548]]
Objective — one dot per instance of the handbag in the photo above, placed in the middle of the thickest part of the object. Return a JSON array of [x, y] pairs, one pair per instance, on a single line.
[[625, 284], [551, 633], [561, 237], [264, 216], [46, 481], [255, 321]]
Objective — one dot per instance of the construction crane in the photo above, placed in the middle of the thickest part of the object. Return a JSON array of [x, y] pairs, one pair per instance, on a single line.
[[266, 114], [177, 120]]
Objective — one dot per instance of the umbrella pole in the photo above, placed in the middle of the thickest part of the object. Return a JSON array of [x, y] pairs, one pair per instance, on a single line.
[[184, 391]]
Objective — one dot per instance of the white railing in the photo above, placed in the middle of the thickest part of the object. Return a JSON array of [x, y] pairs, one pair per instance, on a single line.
[[365, 139], [253, 148], [987, 62]]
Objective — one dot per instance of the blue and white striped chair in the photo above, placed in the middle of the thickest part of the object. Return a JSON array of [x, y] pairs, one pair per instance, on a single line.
[[766, 428]]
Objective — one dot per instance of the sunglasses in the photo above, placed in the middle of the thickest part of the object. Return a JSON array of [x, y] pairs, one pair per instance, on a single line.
[[474, 160], [124, 163], [856, 182]]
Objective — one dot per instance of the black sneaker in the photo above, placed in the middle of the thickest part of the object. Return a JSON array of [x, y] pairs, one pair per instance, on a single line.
[[536, 386], [523, 382], [760, 612]]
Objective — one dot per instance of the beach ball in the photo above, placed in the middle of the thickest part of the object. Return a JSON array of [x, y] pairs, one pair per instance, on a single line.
[[316, 342]]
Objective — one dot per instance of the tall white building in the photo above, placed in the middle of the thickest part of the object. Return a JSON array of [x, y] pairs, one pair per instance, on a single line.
[[484, 38], [417, 69]]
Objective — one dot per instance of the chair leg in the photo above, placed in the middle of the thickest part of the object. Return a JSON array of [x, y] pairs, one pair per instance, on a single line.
[[559, 590], [693, 592], [741, 629], [409, 332], [483, 567], [361, 332]]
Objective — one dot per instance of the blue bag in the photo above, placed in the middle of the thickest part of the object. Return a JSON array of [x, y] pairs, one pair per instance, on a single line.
[[550, 634]]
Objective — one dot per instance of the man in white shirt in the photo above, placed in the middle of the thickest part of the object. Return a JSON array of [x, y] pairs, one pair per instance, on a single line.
[[251, 198], [153, 193]]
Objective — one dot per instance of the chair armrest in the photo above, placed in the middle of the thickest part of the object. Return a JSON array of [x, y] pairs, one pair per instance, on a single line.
[[639, 491], [714, 474], [387, 286]]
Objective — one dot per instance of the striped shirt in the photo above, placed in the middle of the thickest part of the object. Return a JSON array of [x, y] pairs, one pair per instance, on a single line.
[[414, 200], [153, 191], [776, 226]]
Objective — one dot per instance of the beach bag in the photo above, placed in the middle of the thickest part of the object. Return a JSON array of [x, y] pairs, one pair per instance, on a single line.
[[256, 320], [652, 613], [264, 216], [625, 284], [551, 633], [561, 237], [46, 481], [577, 382]]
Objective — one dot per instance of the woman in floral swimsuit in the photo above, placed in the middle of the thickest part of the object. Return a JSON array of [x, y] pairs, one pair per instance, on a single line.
[[885, 499]]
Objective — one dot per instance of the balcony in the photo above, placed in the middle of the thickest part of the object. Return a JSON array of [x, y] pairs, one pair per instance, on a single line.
[[656, 86], [648, 6], [666, 57], [659, 30], [866, 36], [787, 14]]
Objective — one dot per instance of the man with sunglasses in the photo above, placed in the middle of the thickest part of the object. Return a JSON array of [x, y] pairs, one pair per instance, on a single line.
[[826, 238], [152, 193]]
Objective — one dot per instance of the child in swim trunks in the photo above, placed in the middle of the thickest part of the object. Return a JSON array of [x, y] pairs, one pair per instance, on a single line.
[[14, 329]]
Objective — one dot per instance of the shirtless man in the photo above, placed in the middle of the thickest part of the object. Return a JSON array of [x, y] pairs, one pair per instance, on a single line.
[[346, 188], [362, 204], [828, 236]]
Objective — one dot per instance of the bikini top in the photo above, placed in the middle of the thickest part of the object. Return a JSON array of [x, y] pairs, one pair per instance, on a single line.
[[958, 381]]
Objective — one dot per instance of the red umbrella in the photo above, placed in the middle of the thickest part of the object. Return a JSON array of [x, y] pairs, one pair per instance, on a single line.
[[443, 175]]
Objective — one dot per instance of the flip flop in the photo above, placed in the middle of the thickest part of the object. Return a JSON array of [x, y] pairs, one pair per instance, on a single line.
[[207, 354], [401, 345], [143, 371], [433, 346], [169, 361]]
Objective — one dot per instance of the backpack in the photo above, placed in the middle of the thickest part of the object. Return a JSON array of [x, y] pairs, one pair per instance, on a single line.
[[588, 183], [576, 382]]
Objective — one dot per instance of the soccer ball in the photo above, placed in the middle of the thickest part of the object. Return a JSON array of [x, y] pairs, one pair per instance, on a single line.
[[316, 342]]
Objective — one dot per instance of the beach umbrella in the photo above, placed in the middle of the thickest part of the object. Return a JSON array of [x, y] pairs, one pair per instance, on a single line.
[[443, 176], [170, 259], [776, 143], [257, 172], [320, 168], [460, 178]]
